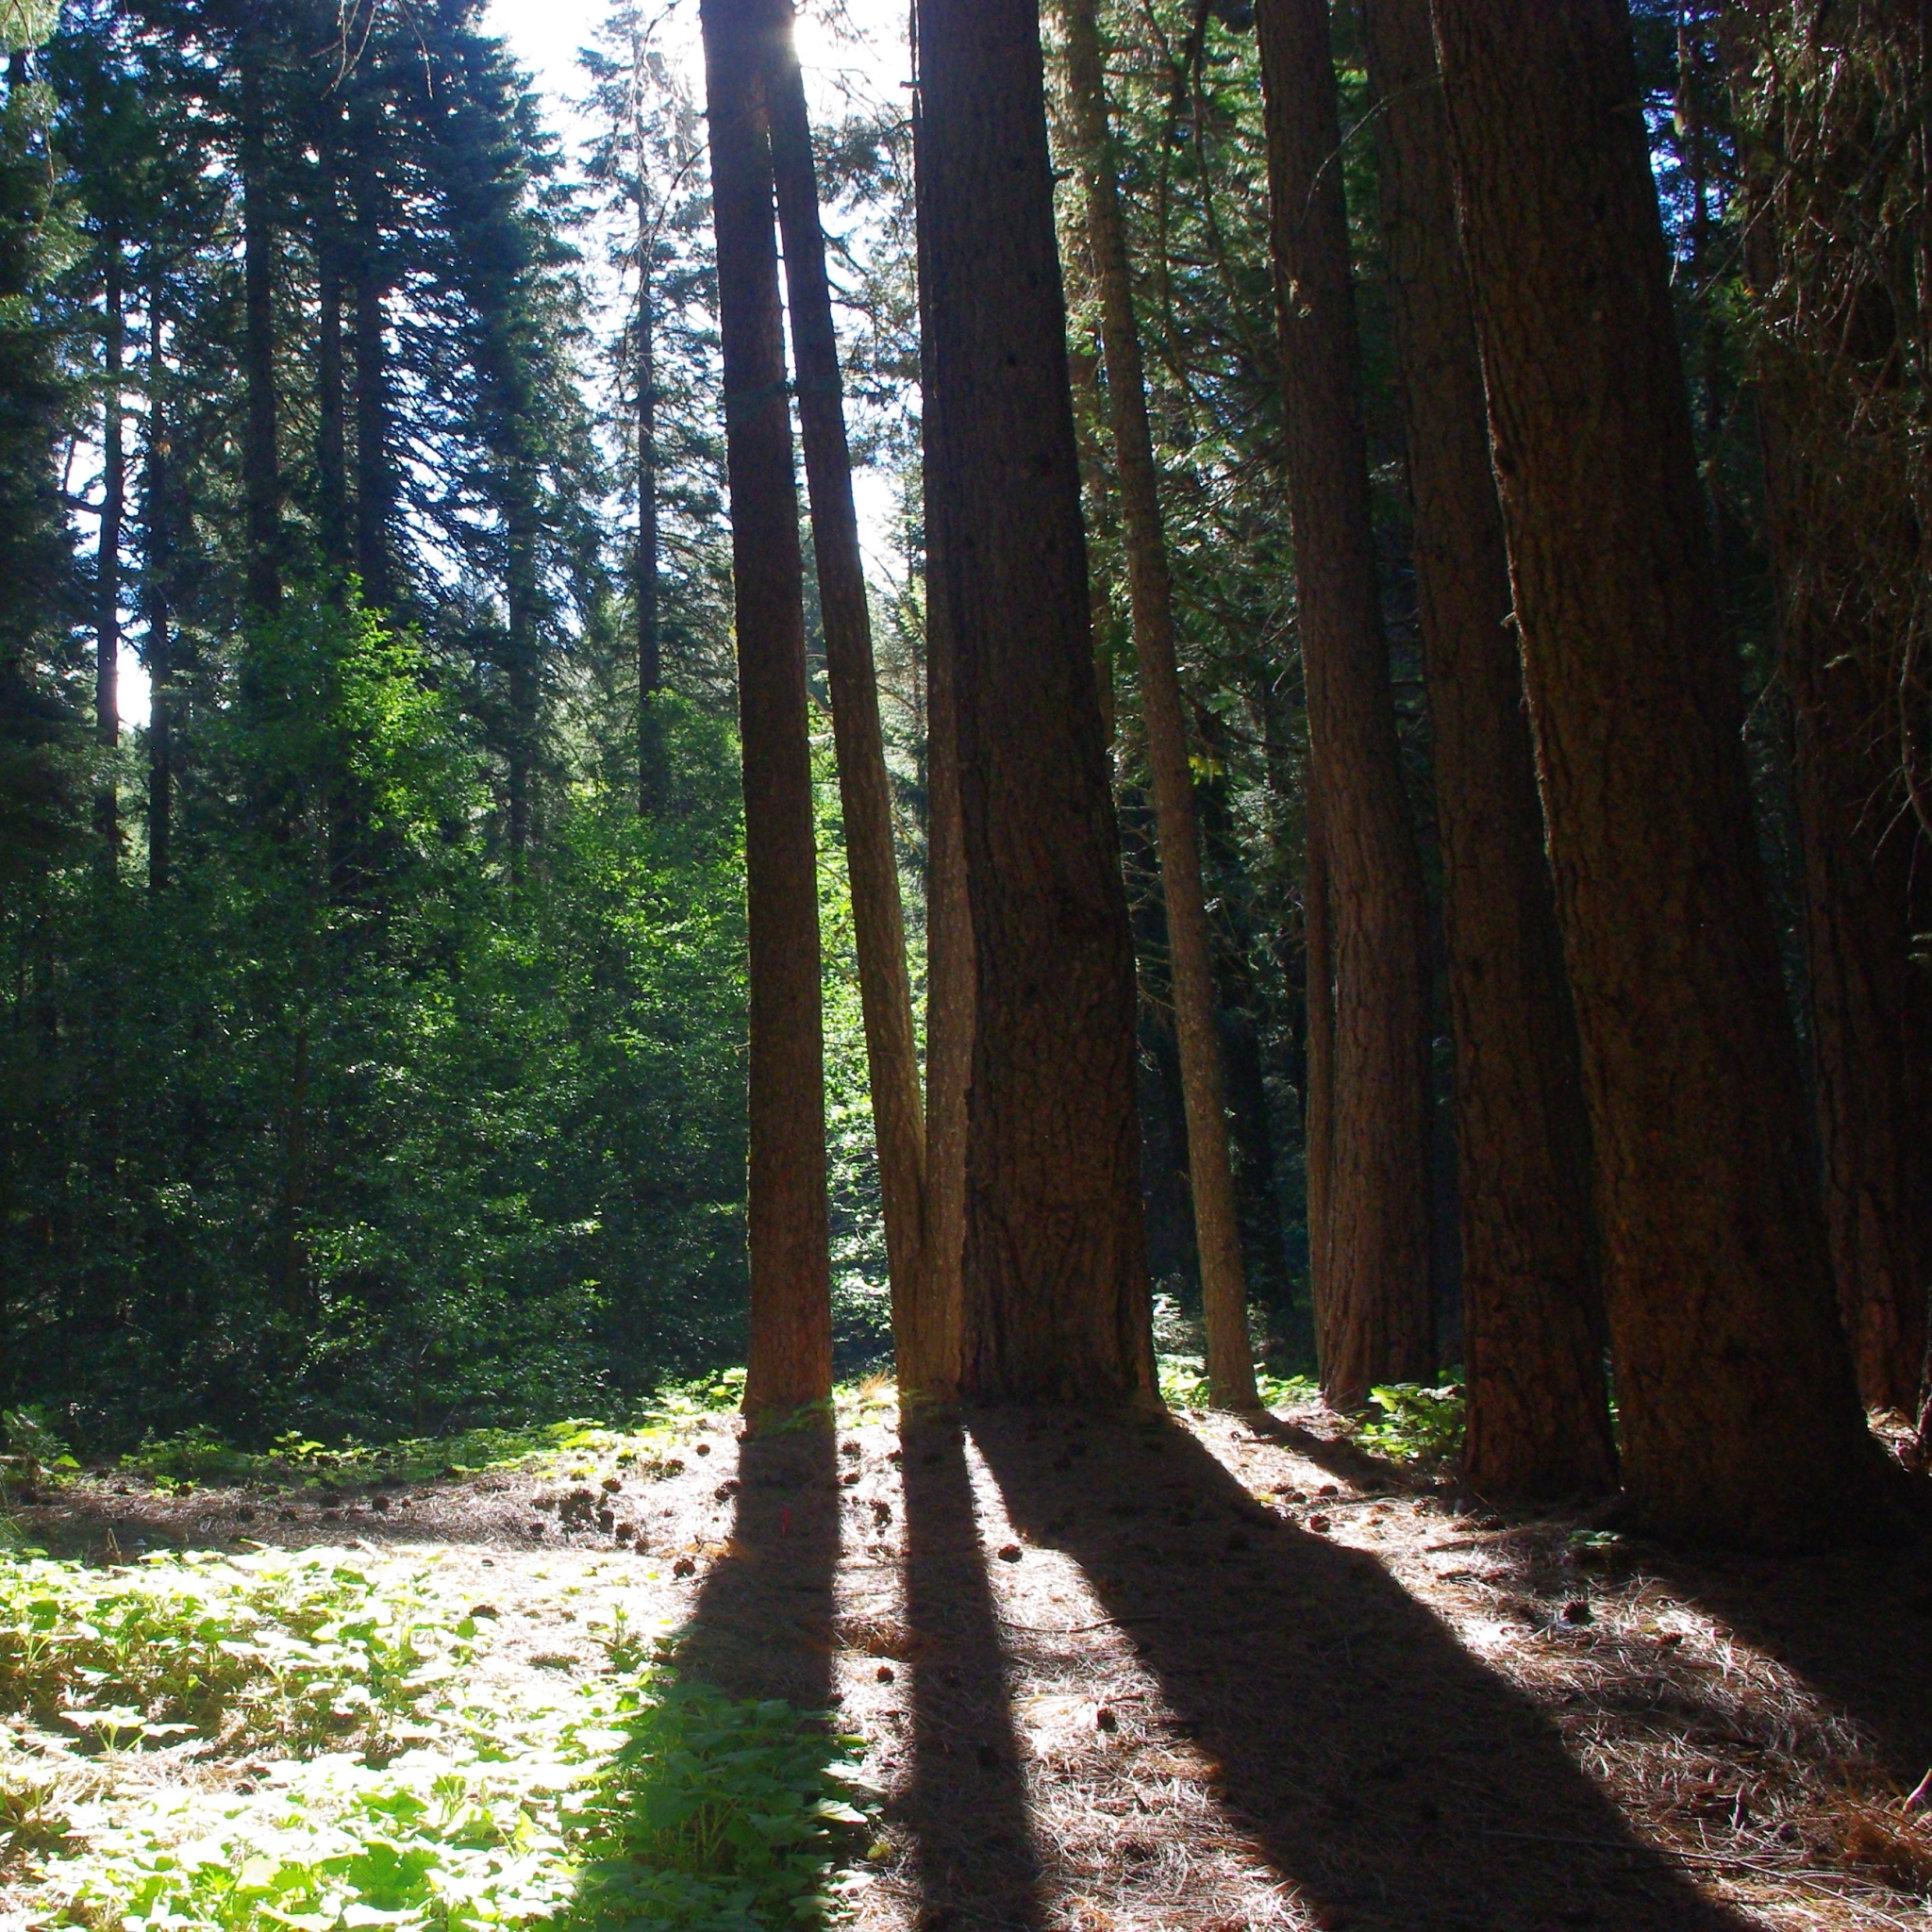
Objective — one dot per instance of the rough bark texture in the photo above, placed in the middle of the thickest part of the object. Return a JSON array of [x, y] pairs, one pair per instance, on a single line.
[[864, 786], [1375, 1315], [1532, 1312], [791, 1277], [261, 480], [1150, 590], [1741, 1418], [1055, 1270], [927, 1354], [107, 552], [1867, 868]]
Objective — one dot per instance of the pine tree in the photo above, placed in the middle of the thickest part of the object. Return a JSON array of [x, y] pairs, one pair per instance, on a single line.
[[1056, 1302]]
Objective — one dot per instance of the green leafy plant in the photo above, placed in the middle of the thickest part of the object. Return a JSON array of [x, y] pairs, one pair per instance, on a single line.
[[1416, 1424]]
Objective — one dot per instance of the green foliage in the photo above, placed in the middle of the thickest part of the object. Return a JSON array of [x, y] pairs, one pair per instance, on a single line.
[[383, 1787], [1417, 1424]]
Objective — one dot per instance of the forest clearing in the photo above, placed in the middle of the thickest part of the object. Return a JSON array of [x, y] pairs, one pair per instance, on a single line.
[[965, 965], [1193, 1673]]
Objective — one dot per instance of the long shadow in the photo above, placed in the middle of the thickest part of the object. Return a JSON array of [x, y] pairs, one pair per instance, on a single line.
[[1857, 1627], [1342, 1459], [762, 1624], [966, 1806], [1381, 1769]]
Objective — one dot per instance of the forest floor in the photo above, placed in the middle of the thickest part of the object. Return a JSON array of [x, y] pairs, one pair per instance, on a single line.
[[1202, 1673]]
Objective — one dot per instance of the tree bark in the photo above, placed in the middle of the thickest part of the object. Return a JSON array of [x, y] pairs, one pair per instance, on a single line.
[[864, 785], [1741, 1418], [652, 777], [375, 473], [1055, 1270], [108, 556], [157, 559], [331, 446], [1374, 1314], [262, 479], [1532, 1312], [791, 1272], [1150, 592], [1867, 870]]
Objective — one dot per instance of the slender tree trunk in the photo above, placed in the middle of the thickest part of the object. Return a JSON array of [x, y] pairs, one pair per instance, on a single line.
[[864, 784], [1318, 1097], [1150, 587], [1532, 1313], [1375, 1316], [652, 777], [261, 481], [929, 1356], [332, 443], [374, 482], [158, 559], [1740, 1418], [1055, 1272], [791, 1278], [108, 556]]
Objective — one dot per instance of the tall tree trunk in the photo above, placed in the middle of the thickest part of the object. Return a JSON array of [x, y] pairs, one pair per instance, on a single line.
[[261, 480], [790, 1271], [928, 1355], [375, 478], [653, 780], [1867, 870], [1150, 590], [1740, 1418], [157, 560], [1374, 1313], [108, 556], [864, 785], [1056, 1269], [332, 443], [1532, 1313]]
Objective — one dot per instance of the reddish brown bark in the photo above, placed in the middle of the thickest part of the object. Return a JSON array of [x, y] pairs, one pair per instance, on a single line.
[[864, 785], [1740, 1419], [791, 1361], [1056, 1302], [1150, 590], [1532, 1313], [1375, 1315]]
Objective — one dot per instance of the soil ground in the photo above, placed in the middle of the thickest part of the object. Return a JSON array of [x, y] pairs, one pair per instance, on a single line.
[[1207, 1674]]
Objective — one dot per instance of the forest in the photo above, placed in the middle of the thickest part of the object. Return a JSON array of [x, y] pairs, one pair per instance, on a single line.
[[968, 969]]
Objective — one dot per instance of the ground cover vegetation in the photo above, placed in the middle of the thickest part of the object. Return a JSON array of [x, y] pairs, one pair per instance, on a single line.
[[1335, 898]]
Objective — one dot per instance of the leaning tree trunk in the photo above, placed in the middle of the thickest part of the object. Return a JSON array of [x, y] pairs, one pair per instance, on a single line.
[[107, 558], [791, 1272], [1150, 591], [1740, 1418], [261, 480], [1375, 1316], [864, 785], [1532, 1314], [1055, 1270]]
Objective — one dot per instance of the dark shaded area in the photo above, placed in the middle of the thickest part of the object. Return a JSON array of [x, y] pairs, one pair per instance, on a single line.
[[1381, 1769], [1856, 1628], [967, 1803], [762, 1626]]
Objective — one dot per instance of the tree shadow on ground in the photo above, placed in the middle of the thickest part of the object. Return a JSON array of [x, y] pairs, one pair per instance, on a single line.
[[1341, 1457], [1855, 1627], [966, 1804], [762, 1624], [1381, 1769]]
